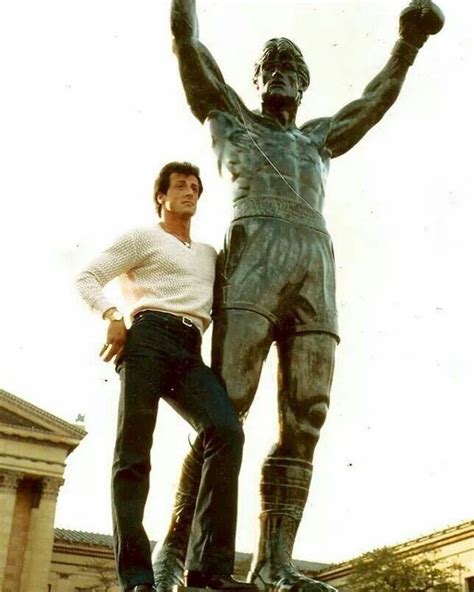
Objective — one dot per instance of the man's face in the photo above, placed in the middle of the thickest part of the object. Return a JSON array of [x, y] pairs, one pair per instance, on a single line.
[[278, 77], [182, 195]]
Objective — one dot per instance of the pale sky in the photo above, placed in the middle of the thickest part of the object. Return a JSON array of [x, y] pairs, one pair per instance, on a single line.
[[92, 107]]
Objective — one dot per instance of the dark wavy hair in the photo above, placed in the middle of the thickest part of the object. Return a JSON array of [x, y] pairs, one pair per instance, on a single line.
[[162, 182], [282, 45]]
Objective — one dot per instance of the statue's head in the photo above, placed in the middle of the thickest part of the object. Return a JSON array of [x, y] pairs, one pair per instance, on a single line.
[[281, 72]]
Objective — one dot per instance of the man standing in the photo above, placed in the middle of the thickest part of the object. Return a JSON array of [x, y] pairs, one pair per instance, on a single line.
[[167, 280], [276, 279]]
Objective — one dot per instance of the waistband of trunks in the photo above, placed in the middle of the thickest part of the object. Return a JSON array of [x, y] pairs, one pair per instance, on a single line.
[[285, 209]]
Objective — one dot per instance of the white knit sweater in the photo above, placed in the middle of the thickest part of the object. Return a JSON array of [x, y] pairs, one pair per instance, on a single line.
[[156, 272]]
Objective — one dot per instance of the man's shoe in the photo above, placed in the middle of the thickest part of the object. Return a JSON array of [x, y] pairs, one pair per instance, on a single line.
[[197, 579]]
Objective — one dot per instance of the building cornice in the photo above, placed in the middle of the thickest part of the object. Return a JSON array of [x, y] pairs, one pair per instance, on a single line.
[[424, 544], [83, 551], [36, 436], [45, 427]]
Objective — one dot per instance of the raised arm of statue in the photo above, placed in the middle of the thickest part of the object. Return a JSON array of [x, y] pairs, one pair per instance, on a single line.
[[421, 19], [354, 120], [202, 79]]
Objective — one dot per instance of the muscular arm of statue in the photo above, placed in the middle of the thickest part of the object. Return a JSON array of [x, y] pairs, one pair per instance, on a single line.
[[419, 20], [202, 79], [276, 277]]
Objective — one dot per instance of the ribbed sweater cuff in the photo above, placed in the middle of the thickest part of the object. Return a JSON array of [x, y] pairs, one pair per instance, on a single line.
[[102, 305]]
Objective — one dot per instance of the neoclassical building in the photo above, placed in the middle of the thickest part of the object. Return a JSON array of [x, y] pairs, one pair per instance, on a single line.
[[83, 561], [34, 446], [36, 557], [450, 546]]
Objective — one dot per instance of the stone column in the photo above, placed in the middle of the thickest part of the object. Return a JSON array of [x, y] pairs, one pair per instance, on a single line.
[[40, 543], [8, 485]]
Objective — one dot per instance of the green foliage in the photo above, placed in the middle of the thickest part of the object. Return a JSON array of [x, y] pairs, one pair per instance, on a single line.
[[385, 570], [104, 573]]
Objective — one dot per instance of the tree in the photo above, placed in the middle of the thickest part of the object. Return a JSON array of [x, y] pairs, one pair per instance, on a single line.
[[105, 575], [386, 570]]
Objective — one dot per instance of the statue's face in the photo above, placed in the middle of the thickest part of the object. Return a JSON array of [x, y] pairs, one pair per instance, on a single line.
[[278, 78]]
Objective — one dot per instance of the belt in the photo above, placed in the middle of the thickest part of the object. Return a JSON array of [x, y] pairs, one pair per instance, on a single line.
[[184, 320], [288, 210]]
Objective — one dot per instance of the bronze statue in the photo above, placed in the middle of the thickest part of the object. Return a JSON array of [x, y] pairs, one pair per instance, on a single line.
[[276, 271]]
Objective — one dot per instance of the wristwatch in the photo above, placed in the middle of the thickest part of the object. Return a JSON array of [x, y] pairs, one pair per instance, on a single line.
[[113, 315]]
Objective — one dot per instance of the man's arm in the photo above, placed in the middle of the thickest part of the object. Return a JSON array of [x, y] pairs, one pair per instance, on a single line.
[[117, 259], [351, 123], [202, 79]]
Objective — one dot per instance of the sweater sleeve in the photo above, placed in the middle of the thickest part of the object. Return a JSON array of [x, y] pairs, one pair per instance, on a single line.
[[119, 258]]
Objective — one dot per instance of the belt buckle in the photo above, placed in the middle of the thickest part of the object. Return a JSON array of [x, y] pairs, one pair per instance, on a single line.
[[187, 322]]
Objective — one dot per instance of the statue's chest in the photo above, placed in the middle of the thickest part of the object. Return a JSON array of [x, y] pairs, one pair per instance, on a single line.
[[245, 148]]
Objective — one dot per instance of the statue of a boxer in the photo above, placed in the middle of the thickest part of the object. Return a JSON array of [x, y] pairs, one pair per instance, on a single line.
[[276, 271]]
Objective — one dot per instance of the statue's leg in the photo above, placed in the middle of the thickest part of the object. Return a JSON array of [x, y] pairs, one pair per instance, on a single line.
[[306, 363], [168, 561], [240, 344]]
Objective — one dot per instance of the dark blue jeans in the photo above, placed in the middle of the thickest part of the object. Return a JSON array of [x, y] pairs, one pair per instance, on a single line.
[[163, 359]]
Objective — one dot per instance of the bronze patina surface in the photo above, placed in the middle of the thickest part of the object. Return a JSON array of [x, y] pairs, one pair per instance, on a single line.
[[276, 279]]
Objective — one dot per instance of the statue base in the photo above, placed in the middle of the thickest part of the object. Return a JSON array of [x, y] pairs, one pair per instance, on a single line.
[[182, 588]]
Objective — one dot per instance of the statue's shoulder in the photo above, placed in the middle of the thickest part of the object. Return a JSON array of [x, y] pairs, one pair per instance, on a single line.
[[226, 122], [221, 123], [317, 129], [221, 116]]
